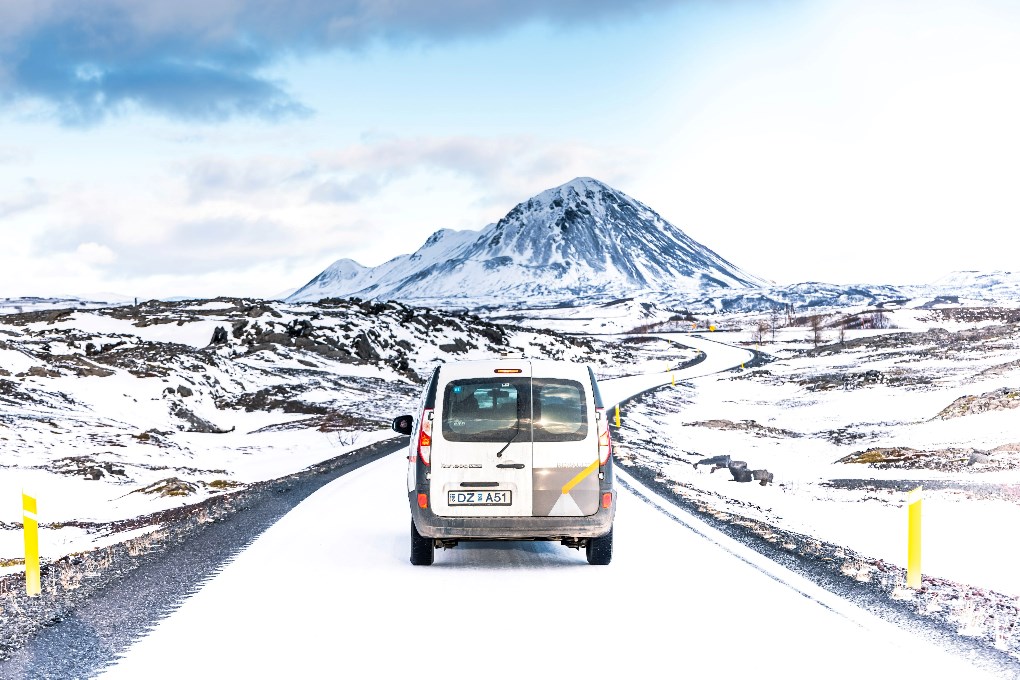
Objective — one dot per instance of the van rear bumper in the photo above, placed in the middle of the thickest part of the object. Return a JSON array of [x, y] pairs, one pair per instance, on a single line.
[[511, 528]]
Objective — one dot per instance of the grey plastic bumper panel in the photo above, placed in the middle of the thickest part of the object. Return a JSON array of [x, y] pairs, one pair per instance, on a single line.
[[511, 528]]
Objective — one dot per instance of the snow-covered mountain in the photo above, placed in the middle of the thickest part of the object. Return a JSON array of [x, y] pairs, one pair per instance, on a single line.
[[974, 285], [17, 305], [806, 295], [583, 239]]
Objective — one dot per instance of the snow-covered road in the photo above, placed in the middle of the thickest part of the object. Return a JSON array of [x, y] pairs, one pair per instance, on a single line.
[[718, 357], [328, 591]]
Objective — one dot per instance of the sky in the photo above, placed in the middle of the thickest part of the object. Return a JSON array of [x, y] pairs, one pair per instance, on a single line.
[[223, 147]]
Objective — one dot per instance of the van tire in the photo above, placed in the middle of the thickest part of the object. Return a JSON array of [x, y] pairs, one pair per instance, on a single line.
[[600, 550], [423, 550]]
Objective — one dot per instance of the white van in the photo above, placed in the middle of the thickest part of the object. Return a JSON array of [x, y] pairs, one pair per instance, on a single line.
[[510, 449]]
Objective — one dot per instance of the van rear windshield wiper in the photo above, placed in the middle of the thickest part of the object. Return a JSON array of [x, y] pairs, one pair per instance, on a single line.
[[517, 431]]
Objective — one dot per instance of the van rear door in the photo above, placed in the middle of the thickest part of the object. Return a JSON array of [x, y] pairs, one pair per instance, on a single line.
[[482, 440], [565, 450]]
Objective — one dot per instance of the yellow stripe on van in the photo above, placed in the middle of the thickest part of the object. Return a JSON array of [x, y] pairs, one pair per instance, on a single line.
[[580, 476]]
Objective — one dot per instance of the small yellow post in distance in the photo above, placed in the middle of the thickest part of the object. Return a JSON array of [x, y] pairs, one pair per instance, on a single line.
[[617, 415], [31, 525], [914, 538]]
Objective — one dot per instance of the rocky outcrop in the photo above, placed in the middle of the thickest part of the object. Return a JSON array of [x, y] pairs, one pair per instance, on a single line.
[[717, 462], [364, 349], [738, 469], [843, 381], [193, 422], [172, 486], [952, 459], [1002, 399], [87, 467], [751, 426]]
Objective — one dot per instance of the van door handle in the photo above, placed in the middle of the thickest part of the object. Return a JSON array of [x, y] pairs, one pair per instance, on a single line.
[[516, 466]]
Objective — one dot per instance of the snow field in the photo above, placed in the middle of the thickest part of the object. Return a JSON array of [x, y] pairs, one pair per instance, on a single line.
[[965, 531]]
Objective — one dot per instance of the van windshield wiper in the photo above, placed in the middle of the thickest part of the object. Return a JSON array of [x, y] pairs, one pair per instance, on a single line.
[[517, 431]]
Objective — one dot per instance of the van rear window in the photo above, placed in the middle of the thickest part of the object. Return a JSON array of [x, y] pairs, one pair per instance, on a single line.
[[497, 409], [559, 411], [486, 409]]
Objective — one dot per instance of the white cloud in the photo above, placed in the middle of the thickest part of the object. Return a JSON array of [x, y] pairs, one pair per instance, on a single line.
[[500, 170], [94, 254]]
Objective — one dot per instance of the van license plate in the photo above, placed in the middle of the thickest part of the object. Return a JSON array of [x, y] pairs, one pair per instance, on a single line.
[[486, 497]]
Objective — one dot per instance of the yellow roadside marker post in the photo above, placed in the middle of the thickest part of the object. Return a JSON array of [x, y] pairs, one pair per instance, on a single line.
[[617, 416], [914, 538], [31, 524]]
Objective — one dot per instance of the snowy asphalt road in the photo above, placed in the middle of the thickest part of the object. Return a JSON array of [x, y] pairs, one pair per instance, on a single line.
[[342, 599], [718, 357], [328, 590], [81, 644]]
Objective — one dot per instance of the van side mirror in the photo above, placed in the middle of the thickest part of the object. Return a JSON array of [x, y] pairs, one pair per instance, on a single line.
[[403, 425]]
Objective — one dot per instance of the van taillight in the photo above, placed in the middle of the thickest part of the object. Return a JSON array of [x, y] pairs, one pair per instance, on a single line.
[[605, 443], [607, 500], [425, 436]]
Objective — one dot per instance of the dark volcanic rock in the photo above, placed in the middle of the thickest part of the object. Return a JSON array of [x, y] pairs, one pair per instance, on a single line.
[[364, 350]]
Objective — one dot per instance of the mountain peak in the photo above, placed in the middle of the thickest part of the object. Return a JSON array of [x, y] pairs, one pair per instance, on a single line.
[[580, 239], [580, 185], [579, 189]]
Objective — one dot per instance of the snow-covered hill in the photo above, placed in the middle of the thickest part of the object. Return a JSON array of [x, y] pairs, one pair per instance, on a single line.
[[17, 305], [583, 239], [798, 296], [973, 286], [965, 289]]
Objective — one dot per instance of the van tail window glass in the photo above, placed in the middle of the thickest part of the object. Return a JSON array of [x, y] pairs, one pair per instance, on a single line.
[[487, 409], [559, 411], [492, 410]]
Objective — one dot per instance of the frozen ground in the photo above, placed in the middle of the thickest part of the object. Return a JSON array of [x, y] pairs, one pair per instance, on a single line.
[[846, 429], [155, 416]]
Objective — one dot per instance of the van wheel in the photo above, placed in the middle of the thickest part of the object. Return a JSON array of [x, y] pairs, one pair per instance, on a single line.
[[600, 550], [423, 550]]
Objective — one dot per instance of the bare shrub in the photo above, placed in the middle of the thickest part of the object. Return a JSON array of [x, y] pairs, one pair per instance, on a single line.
[[816, 323]]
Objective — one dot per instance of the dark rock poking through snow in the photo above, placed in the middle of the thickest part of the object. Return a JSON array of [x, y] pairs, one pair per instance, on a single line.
[[738, 469]]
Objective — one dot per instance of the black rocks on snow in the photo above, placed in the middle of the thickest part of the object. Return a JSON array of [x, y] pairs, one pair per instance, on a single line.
[[737, 468]]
